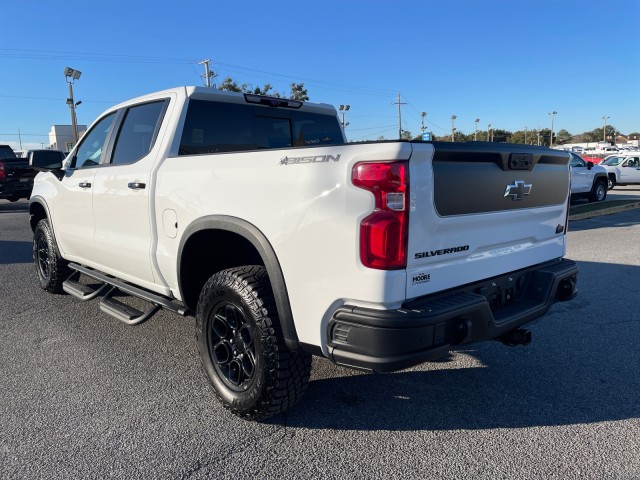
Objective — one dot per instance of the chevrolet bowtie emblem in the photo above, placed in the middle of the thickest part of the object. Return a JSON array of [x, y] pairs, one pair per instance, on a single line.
[[518, 190]]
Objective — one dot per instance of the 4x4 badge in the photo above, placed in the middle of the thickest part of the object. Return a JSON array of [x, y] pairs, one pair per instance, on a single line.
[[518, 190]]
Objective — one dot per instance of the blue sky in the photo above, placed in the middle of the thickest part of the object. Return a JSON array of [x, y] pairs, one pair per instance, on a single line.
[[508, 63]]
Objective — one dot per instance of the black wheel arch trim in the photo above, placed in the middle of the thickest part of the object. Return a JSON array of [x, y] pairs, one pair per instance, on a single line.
[[600, 176], [42, 202], [262, 245]]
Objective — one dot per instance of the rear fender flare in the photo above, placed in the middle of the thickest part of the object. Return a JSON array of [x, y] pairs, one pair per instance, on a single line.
[[269, 258]]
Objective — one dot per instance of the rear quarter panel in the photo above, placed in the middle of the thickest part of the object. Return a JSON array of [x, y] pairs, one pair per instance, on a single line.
[[308, 210]]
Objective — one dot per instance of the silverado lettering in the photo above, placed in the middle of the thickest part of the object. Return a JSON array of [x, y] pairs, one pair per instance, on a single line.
[[445, 251]]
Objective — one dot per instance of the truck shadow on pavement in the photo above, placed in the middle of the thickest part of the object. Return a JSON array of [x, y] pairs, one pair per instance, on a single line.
[[498, 396], [581, 368], [19, 206], [12, 252]]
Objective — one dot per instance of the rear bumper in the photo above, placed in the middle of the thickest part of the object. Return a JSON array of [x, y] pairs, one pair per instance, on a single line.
[[16, 189], [427, 328]]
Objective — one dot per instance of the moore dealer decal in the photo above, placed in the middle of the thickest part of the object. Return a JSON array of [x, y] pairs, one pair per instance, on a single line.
[[421, 278], [444, 251], [310, 159]]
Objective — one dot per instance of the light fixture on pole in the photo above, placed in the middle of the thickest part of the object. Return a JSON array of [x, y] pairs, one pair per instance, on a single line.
[[475, 133], [453, 128], [71, 75], [604, 128], [344, 108], [553, 116]]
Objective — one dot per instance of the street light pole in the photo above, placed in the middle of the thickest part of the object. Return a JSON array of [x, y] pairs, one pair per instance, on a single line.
[[604, 128], [70, 75], [343, 109], [453, 128], [553, 115], [475, 133]]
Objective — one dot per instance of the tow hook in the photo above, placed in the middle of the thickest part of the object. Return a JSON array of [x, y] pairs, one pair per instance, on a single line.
[[520, 336]]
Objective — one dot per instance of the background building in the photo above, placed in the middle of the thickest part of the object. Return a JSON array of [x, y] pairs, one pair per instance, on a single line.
[[61, 136]]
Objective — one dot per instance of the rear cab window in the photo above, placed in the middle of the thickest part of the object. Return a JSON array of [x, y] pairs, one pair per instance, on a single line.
[[218, 127]]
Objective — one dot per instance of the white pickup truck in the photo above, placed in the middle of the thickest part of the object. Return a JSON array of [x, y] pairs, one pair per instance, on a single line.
[[284, 241], [623, 169]]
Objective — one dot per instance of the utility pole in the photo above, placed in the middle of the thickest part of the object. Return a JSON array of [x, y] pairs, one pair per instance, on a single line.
[[488, 130], [525, 135], [422, 115], [20, 139], [399, 103], [208, 74], [475, 133]]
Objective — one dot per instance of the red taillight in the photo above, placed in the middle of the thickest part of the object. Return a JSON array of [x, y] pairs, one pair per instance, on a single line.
[[3, 174], [383, 234]]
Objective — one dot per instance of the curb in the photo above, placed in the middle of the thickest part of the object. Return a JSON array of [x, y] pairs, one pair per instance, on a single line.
[[603, 211]]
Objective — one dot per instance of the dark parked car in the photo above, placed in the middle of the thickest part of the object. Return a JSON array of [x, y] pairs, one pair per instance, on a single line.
[[16, 178]]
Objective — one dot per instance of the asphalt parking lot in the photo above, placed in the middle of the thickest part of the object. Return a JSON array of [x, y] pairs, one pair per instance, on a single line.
[[85, 396]]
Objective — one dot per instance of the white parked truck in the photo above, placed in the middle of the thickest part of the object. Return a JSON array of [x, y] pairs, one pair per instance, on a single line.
[[253, 214]]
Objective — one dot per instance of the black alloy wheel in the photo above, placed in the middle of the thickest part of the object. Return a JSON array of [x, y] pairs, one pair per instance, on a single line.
[[243, 351], [231, 345], [51, 268]]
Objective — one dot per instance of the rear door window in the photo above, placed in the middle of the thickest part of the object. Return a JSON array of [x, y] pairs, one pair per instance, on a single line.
[[138, 132]]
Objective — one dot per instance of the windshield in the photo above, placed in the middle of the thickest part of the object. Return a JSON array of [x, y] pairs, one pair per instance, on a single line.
[[613, 161]]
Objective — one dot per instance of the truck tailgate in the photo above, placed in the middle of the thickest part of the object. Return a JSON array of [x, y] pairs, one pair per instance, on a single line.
[[480, 210]]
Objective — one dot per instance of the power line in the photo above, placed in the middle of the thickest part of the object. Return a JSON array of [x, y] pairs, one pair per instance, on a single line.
[[106, 57], [111, 102]]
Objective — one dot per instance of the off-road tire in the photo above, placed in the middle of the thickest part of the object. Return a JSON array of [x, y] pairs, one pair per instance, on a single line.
[[242, 348], [51, 268], [599, 191]]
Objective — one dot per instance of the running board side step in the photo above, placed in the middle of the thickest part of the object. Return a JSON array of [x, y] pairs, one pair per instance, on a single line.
[[123, 312], [109, 287], [81, 291]]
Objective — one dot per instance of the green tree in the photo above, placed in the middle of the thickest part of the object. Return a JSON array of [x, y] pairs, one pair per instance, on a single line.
[[563, 136], [500, 135], [298, 92], [230, 85], [519, 137]]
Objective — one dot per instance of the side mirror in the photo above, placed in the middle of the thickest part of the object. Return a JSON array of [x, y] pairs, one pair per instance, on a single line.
[[589, 165], [46, 160]]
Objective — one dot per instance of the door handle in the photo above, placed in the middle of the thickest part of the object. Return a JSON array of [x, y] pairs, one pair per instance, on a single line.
[[84, 184], [137, 185]]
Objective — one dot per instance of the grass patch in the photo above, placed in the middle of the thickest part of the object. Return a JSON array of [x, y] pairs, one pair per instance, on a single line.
[[597, 206]]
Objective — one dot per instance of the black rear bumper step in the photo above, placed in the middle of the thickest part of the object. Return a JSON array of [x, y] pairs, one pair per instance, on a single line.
[[428, 327]]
